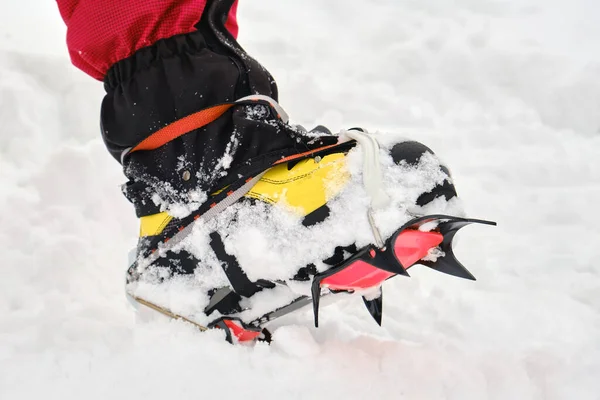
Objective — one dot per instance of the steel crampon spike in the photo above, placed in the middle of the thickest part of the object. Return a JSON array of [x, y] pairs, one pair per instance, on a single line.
[[448, 263], [316, 298], [375, 307]]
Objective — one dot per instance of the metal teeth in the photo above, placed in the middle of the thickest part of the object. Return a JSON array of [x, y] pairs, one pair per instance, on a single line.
[[375, 307], [399, 271], [316, 299], [448, 263]]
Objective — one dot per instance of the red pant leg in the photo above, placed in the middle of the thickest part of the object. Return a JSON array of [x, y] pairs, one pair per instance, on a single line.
[[102, 32]]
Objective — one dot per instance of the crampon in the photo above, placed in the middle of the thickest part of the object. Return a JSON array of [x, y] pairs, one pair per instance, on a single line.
[[425, 240]]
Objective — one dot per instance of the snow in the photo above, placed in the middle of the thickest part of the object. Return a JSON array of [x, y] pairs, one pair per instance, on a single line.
[[506, 92]]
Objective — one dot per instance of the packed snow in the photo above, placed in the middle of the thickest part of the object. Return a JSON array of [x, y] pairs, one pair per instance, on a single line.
[[506, 92]]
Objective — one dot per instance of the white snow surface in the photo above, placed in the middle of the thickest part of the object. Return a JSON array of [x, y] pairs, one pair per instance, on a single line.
[[506, 92]]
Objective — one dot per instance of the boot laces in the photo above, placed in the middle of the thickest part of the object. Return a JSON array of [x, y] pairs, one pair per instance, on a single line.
[[372, 177]]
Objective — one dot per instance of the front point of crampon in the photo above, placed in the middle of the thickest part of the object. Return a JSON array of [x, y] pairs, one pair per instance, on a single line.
[[370, 267], [446, 226]]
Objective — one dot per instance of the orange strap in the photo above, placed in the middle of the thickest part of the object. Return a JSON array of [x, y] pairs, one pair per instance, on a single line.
[[181, 127], [198, 120], [306, 153]]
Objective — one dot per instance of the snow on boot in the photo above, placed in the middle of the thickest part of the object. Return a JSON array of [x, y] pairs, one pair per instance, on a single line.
[[306, 227]]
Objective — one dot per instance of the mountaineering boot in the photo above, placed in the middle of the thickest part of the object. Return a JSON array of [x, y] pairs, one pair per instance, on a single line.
[[254, 250], [245, 217]]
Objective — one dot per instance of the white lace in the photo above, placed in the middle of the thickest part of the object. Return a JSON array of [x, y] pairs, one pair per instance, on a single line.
[[372, 177]]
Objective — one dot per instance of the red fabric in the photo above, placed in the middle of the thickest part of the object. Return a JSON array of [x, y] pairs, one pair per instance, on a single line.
[[102, 32]]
